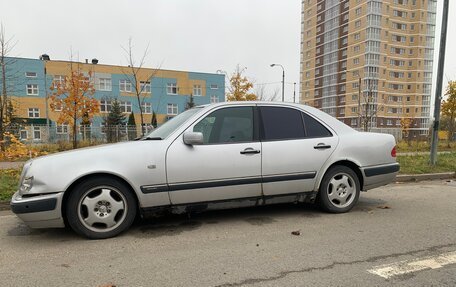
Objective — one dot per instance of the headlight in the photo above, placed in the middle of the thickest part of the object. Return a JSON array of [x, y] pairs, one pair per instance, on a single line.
[[26, 184]]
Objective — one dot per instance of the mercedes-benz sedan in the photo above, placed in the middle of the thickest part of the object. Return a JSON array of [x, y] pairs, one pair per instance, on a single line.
[[226, 155]]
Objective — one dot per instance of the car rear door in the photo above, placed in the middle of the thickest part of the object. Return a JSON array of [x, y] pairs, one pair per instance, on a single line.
[[294, 148], [226, 166]]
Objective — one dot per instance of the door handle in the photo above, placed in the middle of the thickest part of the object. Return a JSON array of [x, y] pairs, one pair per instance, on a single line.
[[322, 146], [249, 150]]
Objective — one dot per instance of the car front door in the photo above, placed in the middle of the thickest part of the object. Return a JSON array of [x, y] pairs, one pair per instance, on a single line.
[[226, 166], [294, 148]]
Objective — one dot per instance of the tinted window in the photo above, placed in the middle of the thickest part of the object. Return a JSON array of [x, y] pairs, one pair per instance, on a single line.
[[281, 123], [314, 129], [227, 125]]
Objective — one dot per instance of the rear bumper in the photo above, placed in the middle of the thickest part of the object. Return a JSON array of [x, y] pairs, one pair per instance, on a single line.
[[42, 211], [375, 176]]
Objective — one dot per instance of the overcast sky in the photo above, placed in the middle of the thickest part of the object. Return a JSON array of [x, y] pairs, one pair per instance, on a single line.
[[191, 35]]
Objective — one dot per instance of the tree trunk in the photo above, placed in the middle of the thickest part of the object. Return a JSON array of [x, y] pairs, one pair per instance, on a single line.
[[75, 142], [3, 100], [141, 114]]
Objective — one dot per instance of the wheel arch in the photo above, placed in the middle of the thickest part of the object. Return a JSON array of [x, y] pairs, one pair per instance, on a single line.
[[90, 176], [350, 164]]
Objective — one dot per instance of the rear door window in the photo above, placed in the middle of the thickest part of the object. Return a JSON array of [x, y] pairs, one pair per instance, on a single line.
[[281, 124]]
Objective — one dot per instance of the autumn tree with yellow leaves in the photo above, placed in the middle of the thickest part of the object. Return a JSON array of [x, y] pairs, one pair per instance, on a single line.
[[240, 87], [73, 99], [449, 108]]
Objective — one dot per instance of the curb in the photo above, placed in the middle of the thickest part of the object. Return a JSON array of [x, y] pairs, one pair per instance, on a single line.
[[425, 176], [5, 205]]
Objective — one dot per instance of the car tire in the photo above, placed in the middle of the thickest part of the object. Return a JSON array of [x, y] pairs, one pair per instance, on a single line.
[[100, 208], [339, 190]]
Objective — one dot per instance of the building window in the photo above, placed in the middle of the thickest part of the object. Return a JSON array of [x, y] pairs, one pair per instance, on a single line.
[[358, 24], [125, 107], [61, 129], [34, 113], [343, 65], [30, 74], [356, 61], [358, 11], [144, 87], [172, 109], [32, 89], [105, 106], [23, 134], [197, 90], [146, 108], [36, 133], [124, 86], [104, 84], [214, 99], [58, 80], [171, 89], [357, 36]]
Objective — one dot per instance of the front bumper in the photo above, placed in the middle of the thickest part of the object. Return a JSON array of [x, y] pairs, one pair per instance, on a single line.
[[379, 175], [41, 211]]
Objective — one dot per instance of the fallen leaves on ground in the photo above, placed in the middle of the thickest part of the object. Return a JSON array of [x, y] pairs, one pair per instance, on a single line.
[[296, 232]]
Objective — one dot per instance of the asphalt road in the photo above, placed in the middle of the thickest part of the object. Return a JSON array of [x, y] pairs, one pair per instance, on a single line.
[[399, 224]]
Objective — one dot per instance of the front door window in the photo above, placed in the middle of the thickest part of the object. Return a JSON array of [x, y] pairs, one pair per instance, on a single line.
[[228, 125]]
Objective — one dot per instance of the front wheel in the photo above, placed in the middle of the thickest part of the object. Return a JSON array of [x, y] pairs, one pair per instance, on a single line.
[[100, 208], [339, 190]]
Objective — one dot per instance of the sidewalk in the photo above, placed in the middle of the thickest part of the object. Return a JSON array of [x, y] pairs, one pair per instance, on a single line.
[[8, 164]]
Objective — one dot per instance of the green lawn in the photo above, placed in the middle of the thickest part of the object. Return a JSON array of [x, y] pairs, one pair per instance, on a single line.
[[9, 179], [417, 164]]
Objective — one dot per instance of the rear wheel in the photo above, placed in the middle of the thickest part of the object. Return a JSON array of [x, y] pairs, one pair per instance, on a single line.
[[101, 208], [339, 190]]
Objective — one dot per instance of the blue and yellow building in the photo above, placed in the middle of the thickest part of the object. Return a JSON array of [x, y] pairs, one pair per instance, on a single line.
[[165, 92]]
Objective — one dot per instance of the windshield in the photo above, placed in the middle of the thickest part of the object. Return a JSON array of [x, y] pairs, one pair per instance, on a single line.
[[171, 125]]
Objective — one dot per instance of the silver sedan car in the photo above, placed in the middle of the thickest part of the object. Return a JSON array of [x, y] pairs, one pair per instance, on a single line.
[[226, 155]]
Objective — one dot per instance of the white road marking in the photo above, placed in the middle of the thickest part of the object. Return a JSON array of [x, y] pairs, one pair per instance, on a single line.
[[409, 266]]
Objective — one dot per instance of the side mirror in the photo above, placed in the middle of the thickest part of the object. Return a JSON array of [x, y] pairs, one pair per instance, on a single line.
[[193, 138]]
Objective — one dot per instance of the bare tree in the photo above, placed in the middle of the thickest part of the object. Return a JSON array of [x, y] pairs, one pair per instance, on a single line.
[[263, 95], [369, 104], [6, 107], [139, 77]]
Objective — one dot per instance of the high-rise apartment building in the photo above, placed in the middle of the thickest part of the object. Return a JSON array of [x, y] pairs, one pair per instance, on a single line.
[[369, 62]]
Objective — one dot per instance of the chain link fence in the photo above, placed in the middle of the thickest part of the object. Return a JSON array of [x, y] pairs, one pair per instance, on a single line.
[[42, 134]]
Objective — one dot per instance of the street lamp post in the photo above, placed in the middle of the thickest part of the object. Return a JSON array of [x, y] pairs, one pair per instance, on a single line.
[[294, 92], [283, 80], [46, 58]]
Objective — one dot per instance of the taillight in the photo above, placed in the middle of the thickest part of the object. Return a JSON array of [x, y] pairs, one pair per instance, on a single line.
[[393, 152]]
